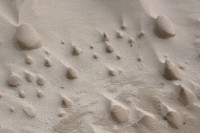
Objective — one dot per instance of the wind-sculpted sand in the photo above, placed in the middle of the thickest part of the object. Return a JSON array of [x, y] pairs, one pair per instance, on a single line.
[[99, 66]]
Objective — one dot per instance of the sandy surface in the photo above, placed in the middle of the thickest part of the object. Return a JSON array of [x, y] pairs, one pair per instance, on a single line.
[[99, 66]]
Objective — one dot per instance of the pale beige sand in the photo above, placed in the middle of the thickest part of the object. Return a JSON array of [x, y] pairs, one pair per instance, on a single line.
[[99, 66]]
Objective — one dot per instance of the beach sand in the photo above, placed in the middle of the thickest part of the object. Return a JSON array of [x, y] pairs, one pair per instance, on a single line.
[[99, 66]]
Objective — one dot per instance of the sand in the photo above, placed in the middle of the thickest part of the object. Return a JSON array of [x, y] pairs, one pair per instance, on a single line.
[[99, 66]]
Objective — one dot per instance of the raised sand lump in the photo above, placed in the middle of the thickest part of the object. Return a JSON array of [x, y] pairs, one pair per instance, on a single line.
[[164, 27], [27, 37], [71, 73], [171, 72], [119, 114], [14, 81]]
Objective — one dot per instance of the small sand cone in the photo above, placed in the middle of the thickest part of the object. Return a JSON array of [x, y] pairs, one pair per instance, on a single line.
[[118, 57], [40, 81], [185, 96], [12, 109], [71, 73], [105, 37], [62, 42], [29, 77], [123, 27], [164, 109], [14, 81], [112, 72], [119, 34], [91, 47], [170, 71], [130, 40], [22, 93], [61, 113], [27, 37], [141, 34], [174, 119], [76, 51], [109, 48], [139, 59], [95, 56], [164, 27], [119, 114], [30, 111], [66, 103], [40, 93], [149, 122], [48, 63], [28, 61]]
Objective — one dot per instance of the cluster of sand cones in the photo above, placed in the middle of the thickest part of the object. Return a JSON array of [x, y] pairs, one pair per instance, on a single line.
[[28, 39], [115, 102]]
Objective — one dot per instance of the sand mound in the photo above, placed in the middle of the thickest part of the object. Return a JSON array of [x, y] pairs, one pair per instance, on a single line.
[[119, 114], [171, 72], [108, 47], [185, 96], [174, 119], [14, 81], [71, 73], [29, 110], [40, 93], [27, 37], [29, 77], [40, 81], [164, 27], [48, 63], [76, 50], [66, 103], [149, 122]]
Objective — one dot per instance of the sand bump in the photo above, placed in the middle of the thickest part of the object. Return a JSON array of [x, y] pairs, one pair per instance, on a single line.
[[95, 56], [22, 93], [61, 113], [105, 37], [30, 111], [112, 72], [164, 27], [119, 114], [149, 122], [14, 81], [48, 63], [71, 73], [40, 93], [119, 34], [171, 72], [109, 48], [29, 77], [28, 61], [76, 51], [123, 27], [27, 37], [66, 103], [130, 40], [40, 81], [185, 96], [174, 119], [141, 34], [12, 109]]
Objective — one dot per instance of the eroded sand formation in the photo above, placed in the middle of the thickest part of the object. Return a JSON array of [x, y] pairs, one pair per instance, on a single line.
[[99, 66]]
